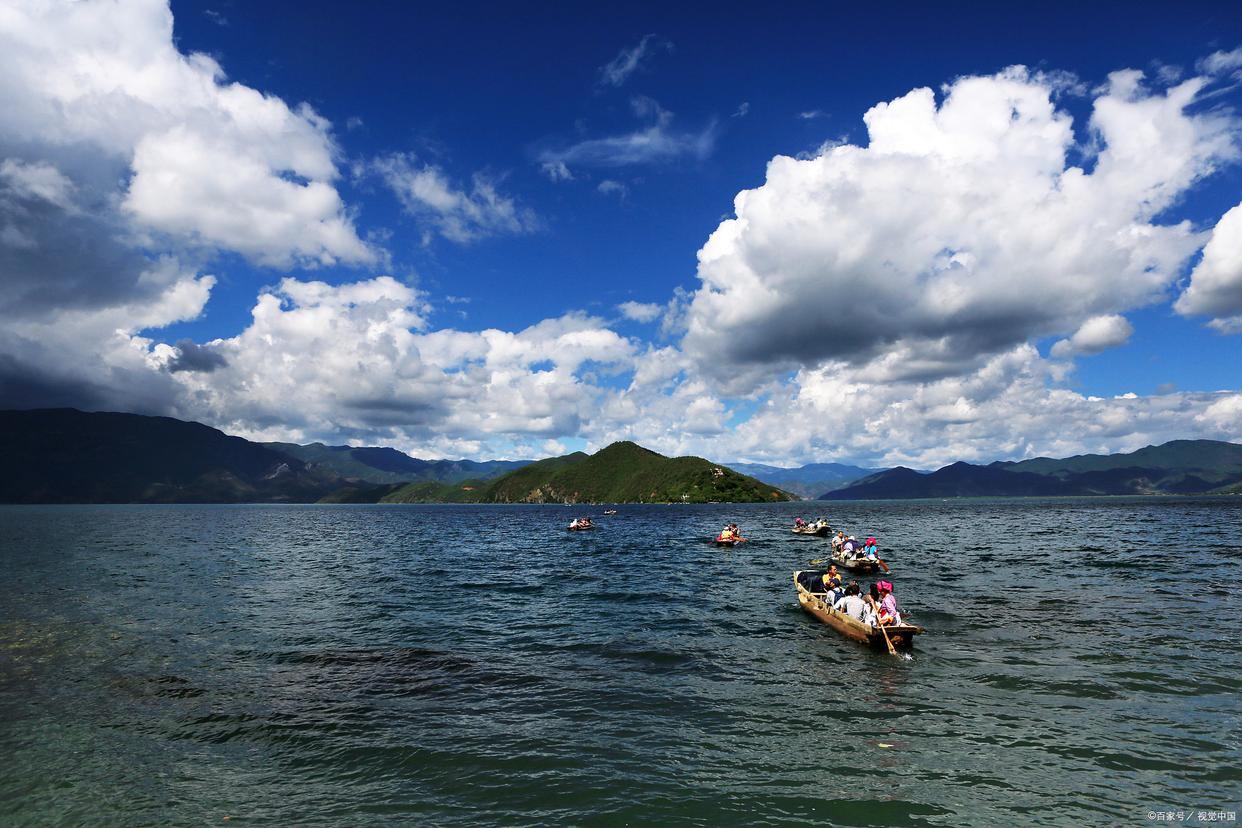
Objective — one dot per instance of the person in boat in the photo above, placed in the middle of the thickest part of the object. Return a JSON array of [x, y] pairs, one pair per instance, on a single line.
[[872, 600], [850, 547], [851, 603], [869, 550], [799, 523], [729, 533], [832, 584], [838, 541], [888, 613]]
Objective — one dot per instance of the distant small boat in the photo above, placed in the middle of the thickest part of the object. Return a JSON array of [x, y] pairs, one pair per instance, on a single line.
[[815, 603], [580, 527], [722, 542], [820, 529], [862, 566], [610, 511]]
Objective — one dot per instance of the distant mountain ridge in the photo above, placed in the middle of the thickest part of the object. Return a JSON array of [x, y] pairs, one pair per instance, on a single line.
[[387, 465], [1176, 467], [67, 456], [807, 481], [71, 456]]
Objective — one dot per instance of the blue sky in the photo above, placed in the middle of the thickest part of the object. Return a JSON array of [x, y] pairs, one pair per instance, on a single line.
[[514, 166]]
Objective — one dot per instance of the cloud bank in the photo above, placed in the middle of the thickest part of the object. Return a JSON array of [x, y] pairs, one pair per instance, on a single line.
[[959, 232], [879, 303]]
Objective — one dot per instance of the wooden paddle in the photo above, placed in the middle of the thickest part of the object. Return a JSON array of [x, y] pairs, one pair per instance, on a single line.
[[891, 649], [884, 565]]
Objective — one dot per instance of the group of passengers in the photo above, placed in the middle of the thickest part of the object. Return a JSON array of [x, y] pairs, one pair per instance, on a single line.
[[730, 533], [849, 548], [876, 607], [581, 523]]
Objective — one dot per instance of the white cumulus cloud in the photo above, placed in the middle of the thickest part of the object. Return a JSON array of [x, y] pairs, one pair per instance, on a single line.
[[960, 231], [107, 79], [1216, 282], [1099, 333]]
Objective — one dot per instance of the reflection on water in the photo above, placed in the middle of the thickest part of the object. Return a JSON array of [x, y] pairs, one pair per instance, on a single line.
[[458, 665]]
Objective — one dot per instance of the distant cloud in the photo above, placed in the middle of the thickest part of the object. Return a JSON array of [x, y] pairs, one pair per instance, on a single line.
[[556, 170], [193, 357], [1221, 63], [812, 114], [1099, 333], [640, 311], [610, 187], [215, 17], [38, 180], [618, 70], [1227, 326], [742, 109], [657, 143], [457, 214]]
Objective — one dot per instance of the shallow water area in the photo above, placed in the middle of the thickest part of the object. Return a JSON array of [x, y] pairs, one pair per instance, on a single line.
[[465, 665]]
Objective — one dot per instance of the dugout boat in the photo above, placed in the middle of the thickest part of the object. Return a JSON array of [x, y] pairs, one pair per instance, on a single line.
[[859, 566], [815, 603], [819, 529]]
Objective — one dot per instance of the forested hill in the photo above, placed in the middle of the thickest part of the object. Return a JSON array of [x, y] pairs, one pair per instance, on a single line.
[[1177, 467], [623, 472]]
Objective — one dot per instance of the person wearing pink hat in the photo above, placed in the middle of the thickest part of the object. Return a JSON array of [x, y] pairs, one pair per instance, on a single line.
[[888, 614]]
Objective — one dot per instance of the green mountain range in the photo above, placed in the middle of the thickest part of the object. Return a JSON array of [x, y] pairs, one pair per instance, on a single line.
[[1177, 467], [70, 456]]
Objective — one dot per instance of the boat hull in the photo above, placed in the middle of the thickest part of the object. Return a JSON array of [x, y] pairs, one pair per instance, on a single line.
[[860, 566], [901, 635], [821, 532]]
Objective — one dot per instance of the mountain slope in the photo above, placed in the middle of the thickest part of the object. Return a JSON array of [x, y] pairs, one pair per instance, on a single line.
[[626, 472], [387, 465], [69, 456], [1178, 467], [1204, 458]]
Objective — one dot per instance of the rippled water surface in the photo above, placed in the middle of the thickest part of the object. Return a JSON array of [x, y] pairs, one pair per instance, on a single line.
[[445, 665]]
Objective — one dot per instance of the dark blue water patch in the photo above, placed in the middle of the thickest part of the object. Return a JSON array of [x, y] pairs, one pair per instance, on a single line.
[[479, 665]]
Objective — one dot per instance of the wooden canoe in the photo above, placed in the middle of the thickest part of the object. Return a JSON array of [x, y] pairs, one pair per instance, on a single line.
[[812, 529], [579, 528], [902, 635], [860, 566]]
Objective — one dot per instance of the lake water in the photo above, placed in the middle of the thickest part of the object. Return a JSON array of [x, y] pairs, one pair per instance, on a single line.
[[466, 665]]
